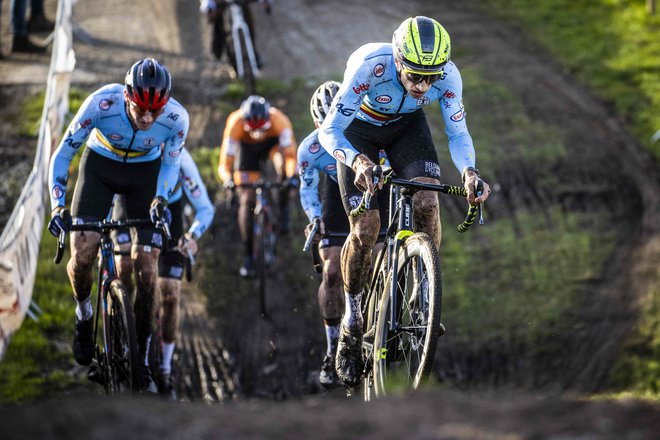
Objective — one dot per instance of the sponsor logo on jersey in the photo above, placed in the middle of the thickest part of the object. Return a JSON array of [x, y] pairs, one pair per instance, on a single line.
[[330, 167], [379, 69], [344, 111], [57, 192], [104, 104], [364, 87], [432, 169], [70, 143], [339, 155], [383, 99], [458, 116], [196, 193], [180, 134], [115, 137], [175, 153], [449, 95], [354, 201], [85, 123], [173, 116], [315, 148], [149, 142], [423, 101]]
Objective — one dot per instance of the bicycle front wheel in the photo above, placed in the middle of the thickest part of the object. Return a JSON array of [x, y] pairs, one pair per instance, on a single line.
[[404, 350], [122, 345]]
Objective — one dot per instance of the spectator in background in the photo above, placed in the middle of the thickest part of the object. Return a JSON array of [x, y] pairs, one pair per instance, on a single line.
[[20, 26]]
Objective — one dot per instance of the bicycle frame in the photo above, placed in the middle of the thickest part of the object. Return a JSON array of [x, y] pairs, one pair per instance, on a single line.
[[238, 26]]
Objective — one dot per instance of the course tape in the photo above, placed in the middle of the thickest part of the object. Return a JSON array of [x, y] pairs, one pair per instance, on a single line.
[[19, 242]]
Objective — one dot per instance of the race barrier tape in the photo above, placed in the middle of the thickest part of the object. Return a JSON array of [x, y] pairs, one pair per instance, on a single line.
[[19, 242]]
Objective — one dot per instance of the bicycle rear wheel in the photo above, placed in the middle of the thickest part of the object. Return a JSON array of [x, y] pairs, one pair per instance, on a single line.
[[123, 362], [403, 356]]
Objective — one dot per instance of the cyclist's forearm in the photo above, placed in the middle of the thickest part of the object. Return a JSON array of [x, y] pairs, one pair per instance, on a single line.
[[167, 177], [58, 174], [462, 151], [335, 143], [310, 202]]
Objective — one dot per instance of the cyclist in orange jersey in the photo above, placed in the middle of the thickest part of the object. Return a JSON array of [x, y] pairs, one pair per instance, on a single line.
[[253, 134]]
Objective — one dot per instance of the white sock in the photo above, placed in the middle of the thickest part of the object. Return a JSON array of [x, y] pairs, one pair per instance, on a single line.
[[168, 352], [352, 315], [84, 310], [331, 336]]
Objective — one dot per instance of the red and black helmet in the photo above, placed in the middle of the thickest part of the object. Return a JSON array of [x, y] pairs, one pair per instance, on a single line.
[[255, 111], [148, 84]]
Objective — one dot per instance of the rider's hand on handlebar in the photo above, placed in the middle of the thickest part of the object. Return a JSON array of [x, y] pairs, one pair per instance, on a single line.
[[319, 232], [159, 211], [470, 181], [60, 221], [188, 243], [363, 168]]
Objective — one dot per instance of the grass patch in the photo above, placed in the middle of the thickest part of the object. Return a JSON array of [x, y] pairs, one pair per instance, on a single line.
[[611, 45], [39, 355]]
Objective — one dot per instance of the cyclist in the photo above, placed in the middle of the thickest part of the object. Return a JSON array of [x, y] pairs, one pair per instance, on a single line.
[[171, 261], [333, 228], [125, 145], [214, 11], [381, 101], [253, 133]]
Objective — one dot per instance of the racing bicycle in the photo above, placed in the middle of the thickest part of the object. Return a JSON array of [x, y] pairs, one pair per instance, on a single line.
[[240, 46], [403, 301], [115, 363]]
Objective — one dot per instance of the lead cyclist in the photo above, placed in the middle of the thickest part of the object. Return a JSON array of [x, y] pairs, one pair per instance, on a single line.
[[380, 104]]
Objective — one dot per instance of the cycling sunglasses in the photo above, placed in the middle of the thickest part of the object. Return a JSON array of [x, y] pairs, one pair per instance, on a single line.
[[417, 78]]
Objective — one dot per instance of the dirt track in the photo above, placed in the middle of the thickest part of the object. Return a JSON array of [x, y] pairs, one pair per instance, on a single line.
[[311, 39]]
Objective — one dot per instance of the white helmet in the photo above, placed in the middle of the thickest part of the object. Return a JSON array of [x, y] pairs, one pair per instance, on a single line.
[[321, 101]]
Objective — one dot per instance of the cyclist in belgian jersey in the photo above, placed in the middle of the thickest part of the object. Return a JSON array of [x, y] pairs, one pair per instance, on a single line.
[[254, 133], [171, 261], [380, 103], [127, 129], [321, 200]]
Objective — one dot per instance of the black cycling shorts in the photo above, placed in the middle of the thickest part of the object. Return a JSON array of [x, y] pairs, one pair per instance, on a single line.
[[335, 219], [333, 215], [100, 178], [170, 261], [407, 143], [251, 157]]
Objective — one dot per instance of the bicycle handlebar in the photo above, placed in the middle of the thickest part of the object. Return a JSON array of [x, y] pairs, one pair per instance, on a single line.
[[315, 227], [453, 190], [104, 227]]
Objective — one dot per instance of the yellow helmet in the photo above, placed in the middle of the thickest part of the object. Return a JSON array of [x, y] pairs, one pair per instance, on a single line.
[[422, 45]]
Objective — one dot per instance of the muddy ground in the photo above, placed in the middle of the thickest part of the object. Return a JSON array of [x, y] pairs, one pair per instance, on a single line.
[[249, 363]]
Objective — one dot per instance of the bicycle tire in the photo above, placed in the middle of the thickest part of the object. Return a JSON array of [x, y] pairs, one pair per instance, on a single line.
[[155, 356], [260, 254], [123, 361], [248, 73], [404, 356], [370, 314]]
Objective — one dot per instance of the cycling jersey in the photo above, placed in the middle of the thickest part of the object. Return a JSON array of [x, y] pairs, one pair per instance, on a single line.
[[312, 158], [190, 182], [252, 147], [103, 122], [372, 92]]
